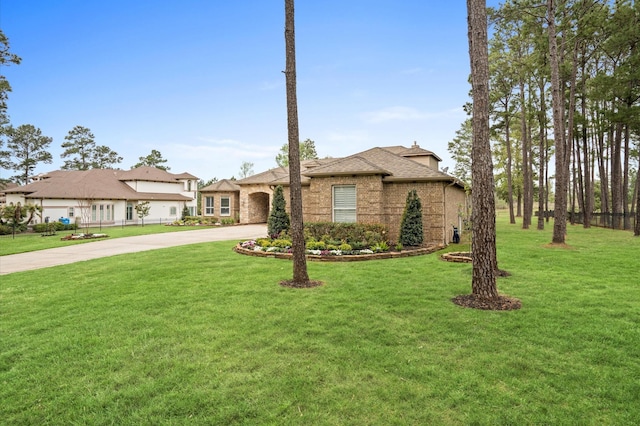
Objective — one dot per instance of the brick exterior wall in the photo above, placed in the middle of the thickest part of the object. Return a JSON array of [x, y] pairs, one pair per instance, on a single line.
[[432, 197], [255, 203], [234, 203], [317, 202], [376, 202], [457, 203]]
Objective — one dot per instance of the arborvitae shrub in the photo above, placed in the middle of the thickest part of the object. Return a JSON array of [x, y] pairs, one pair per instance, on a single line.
[[411, 225], [278, 218]]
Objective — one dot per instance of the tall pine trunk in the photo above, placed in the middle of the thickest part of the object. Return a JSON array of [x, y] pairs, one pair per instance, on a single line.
[[542, 144], [616, 177], [483, 215], [300, 275], [526, 169], [588, 193], [636, 229], [507, 132], [557, 95]]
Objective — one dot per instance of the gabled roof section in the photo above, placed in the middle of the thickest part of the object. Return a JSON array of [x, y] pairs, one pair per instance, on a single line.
[[353, 165], [95, 183], [393, 163], [224, 185], [103, 184], [414, 151], [185, 175], [267, 177], [151, 174], [393, 167]]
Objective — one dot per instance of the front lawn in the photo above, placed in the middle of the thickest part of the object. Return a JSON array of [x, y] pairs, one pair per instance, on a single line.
[[201, 335]]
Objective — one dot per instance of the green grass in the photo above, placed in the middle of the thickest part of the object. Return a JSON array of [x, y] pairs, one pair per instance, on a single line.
[[201, 335], [30, 241]]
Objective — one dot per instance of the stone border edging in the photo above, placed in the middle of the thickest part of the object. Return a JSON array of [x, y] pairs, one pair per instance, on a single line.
[[457, 256], [346, 257]]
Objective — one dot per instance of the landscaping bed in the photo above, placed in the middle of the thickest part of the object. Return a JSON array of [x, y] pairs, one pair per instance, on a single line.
[[339, 256], [82, 236]]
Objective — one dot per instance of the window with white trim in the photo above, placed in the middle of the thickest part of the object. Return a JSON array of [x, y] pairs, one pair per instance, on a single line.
[[225, 206], [71, 212], [344, 203], [173, 211], [208, 206]]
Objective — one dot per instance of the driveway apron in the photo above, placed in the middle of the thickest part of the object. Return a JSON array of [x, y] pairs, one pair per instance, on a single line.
[[104, 248]]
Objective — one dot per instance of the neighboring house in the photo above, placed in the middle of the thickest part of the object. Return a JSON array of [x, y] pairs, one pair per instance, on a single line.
[[109, 197], [367, 187], [221, 199], [4, 186]]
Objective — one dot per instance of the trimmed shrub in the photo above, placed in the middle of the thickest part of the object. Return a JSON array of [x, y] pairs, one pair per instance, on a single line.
[[316, 245], [411, 226], [345, 247], [5, 230], [278, 218], [263, 242], [281, 243]]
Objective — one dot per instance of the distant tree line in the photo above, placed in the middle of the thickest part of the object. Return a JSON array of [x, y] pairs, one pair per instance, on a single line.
[[564, 87]]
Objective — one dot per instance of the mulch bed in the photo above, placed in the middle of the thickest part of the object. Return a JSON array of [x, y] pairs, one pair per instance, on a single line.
[[500, 303], [295, 284]]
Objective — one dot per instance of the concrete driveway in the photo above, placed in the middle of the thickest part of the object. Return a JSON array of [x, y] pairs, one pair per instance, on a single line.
[[104, 248]]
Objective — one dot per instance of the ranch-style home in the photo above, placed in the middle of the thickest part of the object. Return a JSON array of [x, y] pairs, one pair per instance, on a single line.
[[108, 197], [367, 187]]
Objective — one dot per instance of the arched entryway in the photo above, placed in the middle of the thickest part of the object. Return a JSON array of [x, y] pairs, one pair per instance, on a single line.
[[258, 207]]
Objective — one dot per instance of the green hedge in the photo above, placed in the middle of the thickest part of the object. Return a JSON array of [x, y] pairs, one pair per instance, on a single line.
[[350, 233], [54, 226]]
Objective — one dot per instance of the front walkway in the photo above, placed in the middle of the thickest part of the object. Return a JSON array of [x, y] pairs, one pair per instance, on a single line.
[[104, 248]]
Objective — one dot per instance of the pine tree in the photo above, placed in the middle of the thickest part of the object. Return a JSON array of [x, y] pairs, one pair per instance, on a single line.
[[278, 218], [411, 225]]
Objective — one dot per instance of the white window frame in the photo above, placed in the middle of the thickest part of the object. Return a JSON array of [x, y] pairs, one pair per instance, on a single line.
[[225, 210], [209, 206], [71, 212], [129, 211], [173, 211], [344, 203]]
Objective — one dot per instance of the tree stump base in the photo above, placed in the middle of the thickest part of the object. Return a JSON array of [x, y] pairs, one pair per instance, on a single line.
[[500, 303]]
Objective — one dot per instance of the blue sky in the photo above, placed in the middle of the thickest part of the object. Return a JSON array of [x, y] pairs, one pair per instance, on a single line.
[[202, 81]]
